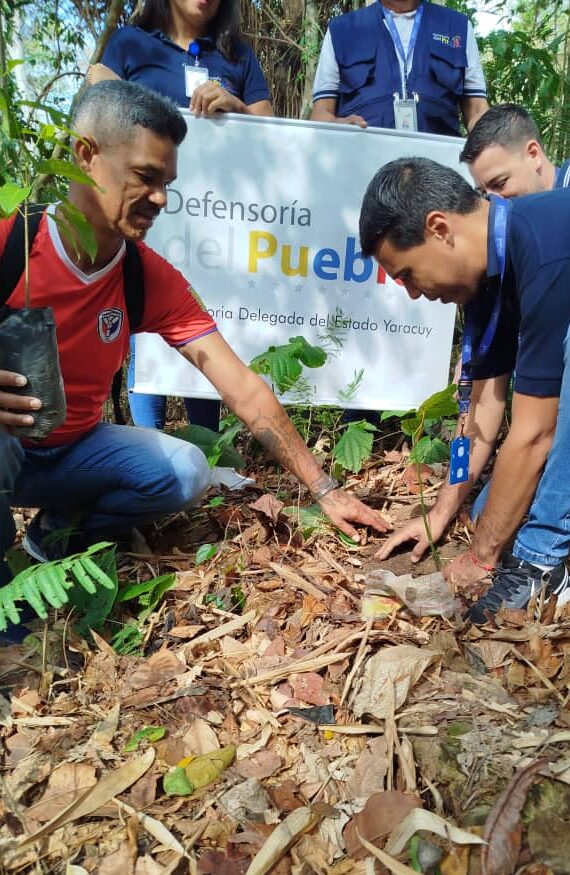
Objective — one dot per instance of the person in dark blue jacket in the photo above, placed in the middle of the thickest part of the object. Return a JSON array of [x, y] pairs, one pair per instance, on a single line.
[[192, 52], [402, 64], [505, 154]]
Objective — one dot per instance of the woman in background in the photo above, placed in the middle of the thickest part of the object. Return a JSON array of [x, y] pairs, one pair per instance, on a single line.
[[192, 52]]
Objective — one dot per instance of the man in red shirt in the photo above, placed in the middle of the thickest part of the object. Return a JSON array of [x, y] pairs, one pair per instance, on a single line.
[[106, 476]]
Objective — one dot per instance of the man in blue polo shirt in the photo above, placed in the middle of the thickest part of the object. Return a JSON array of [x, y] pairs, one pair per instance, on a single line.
[[505, 154], [507, 263]]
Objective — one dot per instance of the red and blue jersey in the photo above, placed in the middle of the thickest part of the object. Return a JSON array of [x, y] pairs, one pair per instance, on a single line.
[[91, 319]]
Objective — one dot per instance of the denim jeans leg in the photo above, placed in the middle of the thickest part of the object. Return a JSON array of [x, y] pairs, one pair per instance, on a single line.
[[148, 411], [113, 478], [545, 537]]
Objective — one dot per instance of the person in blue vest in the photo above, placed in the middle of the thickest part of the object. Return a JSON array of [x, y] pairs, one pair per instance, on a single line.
[[507, 264], [401, 64], [505, 154], [192, 52]]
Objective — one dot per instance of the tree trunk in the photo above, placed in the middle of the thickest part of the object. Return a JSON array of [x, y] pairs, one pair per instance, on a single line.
[[312, 41]]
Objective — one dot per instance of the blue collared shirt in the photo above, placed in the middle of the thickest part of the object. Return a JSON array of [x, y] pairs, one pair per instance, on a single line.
[[153, 60], [535, 303]]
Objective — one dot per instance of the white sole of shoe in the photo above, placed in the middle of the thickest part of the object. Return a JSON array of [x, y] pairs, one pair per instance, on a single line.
[[32, 550]]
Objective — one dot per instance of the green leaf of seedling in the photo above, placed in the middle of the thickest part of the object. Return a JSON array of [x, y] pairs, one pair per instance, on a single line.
[[440, 404], [216, 501], [11, 196], [205, 552], [414, 857], [354, 446], [76, 229], [397, 414], [128, 640], [350, 542], [309, 519], [150, 600], [412, 426], [217, 600], [61, 167], [238, 599], [429, 450], [311, 356], [216, 447], [284, 370], [137, 590], [147, 733], [176, 783]]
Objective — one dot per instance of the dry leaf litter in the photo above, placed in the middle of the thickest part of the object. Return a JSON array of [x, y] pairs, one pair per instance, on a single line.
[[321, 727]]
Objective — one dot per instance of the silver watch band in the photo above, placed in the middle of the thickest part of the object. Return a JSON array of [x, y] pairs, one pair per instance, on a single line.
[[329, 485]]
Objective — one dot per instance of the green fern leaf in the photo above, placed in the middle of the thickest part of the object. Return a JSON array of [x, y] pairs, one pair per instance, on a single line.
[[58, 583]]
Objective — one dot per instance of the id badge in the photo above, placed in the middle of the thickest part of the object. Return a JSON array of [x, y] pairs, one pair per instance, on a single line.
[[459, 460], [194, 76], [405, 114]]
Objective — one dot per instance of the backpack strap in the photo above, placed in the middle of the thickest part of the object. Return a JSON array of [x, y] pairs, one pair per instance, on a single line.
[[133, 285], [12, 260]]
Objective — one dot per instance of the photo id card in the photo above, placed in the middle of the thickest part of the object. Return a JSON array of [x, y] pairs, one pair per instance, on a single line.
[[405, 114], [194, 76], [459, 460]]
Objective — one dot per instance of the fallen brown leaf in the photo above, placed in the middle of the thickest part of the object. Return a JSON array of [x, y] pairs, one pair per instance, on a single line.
[[503, 828], [381, 814], [160, 667], [66, 783]]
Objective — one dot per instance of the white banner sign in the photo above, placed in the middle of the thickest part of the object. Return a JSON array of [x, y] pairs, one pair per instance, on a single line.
[[263, 221]]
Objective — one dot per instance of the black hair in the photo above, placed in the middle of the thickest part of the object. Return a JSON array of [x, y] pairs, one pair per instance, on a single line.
[[112, 108], [507, 124], [402, 194], [224, 27]]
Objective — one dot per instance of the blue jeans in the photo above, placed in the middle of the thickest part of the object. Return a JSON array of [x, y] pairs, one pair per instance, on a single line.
[[149, 411], [544, 539], [113, 478]]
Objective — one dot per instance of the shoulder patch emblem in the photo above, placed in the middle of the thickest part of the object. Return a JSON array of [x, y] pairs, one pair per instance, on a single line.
[[109, 324]]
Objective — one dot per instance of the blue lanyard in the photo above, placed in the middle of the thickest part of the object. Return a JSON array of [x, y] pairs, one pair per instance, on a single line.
[[396, 39], [499, 231], [194, 50]]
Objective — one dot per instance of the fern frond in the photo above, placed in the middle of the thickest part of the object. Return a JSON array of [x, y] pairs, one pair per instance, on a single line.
[[52, 583]]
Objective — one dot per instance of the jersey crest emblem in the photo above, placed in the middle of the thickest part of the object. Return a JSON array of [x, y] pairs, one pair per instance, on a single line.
[[109, 324]]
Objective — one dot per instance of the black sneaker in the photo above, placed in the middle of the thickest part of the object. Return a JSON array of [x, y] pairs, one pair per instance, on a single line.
[[45, 544], [515, 582]]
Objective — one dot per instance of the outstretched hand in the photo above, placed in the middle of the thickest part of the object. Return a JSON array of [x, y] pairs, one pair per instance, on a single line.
[[344, 508], [415, 530]]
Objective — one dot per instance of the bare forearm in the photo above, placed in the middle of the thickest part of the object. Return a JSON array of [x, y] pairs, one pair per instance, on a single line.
[[270, 425], [515, 478], [324, 111], [516, 474]]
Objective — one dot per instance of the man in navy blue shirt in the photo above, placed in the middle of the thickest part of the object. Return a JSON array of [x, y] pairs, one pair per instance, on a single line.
[[507, 263], [505, 154]]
